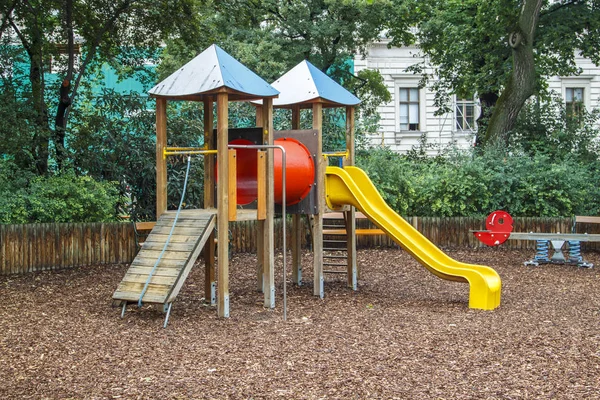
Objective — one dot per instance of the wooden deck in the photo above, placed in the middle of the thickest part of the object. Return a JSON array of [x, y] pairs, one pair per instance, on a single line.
[[191, 232]]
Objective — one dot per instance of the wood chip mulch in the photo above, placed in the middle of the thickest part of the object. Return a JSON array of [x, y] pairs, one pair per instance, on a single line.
[[405, 334]]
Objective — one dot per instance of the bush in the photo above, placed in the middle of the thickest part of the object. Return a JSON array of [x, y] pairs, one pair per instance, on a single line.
[[463, 184], [70, 198], [26, 198]]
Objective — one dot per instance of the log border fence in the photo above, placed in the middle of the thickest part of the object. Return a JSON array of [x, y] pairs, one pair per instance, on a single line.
[[40, 247]]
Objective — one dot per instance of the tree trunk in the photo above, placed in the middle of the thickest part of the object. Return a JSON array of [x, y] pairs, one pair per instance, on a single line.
[[522, 81], [60, 122], [487, 101], [41, 136], [41, 129]]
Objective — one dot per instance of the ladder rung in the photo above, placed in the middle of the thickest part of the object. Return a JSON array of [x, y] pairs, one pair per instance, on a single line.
[[335, 241], [335, 249], [334, 265], [334, 272], [334, 256]]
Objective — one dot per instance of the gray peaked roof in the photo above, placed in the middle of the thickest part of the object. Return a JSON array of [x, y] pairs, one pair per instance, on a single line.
[[305, 84], [210, 72]]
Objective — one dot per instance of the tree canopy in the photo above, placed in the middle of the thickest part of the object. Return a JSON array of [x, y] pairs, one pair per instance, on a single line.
[[72, 39], [500, 50], [57, 119]]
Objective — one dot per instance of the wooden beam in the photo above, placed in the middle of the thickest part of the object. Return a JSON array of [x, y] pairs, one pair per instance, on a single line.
[[587, 219], [295, 116], [210, 281], [223, 205], [261, 176], [268, 234], [296, 220], [260, 226], [317, 222], [350, 215], [161, 162], [232, 185]]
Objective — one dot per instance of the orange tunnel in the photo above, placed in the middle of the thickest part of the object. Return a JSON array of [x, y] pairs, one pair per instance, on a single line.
[[300, 172]]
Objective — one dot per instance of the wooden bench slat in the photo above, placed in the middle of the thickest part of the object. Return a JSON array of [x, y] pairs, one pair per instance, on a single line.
[[587, 219]]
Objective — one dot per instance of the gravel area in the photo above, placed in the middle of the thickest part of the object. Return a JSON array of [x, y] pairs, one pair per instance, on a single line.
[[405, 334]]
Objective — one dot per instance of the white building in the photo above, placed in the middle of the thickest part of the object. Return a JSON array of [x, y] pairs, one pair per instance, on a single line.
[[410, 114]]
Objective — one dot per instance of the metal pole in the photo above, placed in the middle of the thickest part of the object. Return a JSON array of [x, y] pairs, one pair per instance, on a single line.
[[283, 213]]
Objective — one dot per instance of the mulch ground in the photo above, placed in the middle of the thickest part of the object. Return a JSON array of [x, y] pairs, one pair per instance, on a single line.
[[404, 334]]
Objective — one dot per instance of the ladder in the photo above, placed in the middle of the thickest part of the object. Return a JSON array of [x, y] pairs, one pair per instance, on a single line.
[[335, 240]]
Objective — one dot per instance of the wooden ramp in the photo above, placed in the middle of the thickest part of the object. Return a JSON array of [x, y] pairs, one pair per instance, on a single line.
[[191, 232]]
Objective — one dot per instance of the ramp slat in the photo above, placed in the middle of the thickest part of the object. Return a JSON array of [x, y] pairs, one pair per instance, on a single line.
[[160, 271], [167, 255], [174, 238], [157, 246], [133, 297], [179, 230], [156, 279], [149, 262]]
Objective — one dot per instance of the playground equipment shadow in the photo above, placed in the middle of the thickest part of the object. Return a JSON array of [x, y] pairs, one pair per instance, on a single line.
[[405, 334]]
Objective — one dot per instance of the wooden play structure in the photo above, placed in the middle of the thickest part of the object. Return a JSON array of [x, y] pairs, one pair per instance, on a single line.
[[252, 165], [249, 177]]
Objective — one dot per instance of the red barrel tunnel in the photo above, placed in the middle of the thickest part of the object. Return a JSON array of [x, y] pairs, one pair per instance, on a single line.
[[300, 171]]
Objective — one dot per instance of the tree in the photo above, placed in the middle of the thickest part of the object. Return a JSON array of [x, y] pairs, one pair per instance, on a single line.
[[500, 50], [58, 31], [272, 36]]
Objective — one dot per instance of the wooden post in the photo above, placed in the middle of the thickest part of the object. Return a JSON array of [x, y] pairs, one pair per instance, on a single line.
[[161, 162], [317, 221], [296, 221], [268, 234], [223, 205], [232, 185], [261, 185], [210, 284], [351, 214], [260, 226]]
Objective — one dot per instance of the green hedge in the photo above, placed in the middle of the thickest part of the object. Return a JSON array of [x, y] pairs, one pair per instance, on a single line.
[[25, 198], [475, 185]]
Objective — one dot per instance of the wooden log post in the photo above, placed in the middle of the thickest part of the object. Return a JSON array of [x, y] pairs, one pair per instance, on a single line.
[[161, 162], [210, 282], [232, 184], [261, 186], [268, 225], [350, 215], [317, 221], [223, 205], [260, 226], [296, 221]]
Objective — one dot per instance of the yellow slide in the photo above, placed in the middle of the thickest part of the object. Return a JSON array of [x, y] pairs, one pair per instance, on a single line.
[[352, 186]]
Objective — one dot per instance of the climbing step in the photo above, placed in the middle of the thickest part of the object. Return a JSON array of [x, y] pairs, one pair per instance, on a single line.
[[192, 230]]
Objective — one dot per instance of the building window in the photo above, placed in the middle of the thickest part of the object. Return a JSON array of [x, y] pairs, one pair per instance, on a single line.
[[574, 102], [465, 115], [409, 109]]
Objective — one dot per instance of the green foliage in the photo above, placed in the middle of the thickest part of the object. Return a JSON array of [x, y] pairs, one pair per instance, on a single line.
[[392, 175], [26, 198], [462, 184], [467, 52], [71, 198], [545, 128], [119, 131]]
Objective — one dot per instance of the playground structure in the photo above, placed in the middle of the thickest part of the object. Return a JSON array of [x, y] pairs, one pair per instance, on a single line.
[[251, 173], [550, 247]]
